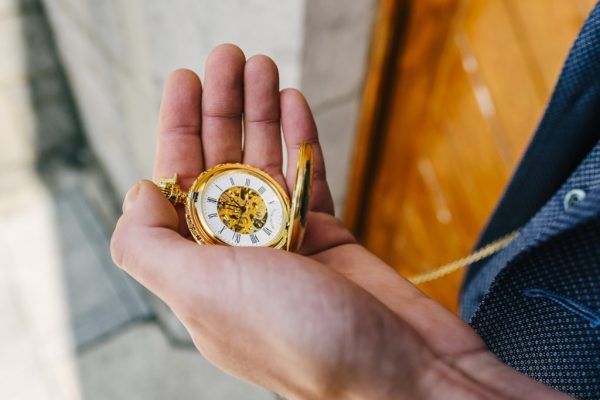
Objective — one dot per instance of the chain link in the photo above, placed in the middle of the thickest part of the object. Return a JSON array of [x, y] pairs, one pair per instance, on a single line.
[[478, 255]]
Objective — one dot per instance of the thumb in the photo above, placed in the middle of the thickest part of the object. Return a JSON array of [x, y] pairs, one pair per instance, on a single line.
[[146, 206], [146, 243]]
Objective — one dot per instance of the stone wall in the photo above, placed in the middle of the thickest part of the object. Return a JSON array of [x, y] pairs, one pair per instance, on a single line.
[[32, 83], [337, 36], [118, 53]]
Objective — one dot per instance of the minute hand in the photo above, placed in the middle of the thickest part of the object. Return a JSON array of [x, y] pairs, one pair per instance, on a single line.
[[222, 203], [232, 199]]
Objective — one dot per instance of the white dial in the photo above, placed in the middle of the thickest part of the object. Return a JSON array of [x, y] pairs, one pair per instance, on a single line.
[[241, 209]]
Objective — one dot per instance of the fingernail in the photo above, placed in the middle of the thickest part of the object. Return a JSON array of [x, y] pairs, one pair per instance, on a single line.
[[131, 196]]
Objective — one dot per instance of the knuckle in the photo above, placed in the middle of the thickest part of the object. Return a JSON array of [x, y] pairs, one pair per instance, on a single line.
[[264, 122], [231, 114], [181, 131], [319, 174], [313, 139], [272, 168]]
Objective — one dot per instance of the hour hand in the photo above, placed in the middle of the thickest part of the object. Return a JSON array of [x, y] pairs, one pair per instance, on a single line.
[[224, 204], [232, 199]]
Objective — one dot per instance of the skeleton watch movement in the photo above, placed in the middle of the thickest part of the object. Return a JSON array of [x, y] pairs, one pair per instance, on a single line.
[[240, 205]]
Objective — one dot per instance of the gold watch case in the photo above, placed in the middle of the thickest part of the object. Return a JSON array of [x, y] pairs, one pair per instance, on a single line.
[[295, 212]]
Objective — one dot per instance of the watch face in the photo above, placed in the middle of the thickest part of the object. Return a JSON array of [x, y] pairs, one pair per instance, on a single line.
[[241, 208]]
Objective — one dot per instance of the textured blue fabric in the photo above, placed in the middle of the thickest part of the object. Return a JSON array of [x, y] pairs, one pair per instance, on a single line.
[[551, 220], [542, 313]]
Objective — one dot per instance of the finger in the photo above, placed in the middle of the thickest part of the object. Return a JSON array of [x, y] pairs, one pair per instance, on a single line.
[[299, 126], [324, 232], [147, 246], [178, 148], [222, 106], [262, 129], [147, 215]]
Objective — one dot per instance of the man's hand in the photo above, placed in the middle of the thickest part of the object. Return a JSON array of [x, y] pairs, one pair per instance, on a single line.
[[333, 322]]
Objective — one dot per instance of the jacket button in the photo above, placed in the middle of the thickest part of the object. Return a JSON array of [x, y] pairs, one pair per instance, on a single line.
[[572, 197]]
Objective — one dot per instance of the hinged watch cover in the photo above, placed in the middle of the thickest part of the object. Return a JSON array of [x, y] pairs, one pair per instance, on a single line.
[[300, 198]]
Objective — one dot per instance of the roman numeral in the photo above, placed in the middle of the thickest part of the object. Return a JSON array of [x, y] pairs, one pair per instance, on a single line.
[[254, 238], [267, 231], [247, 181], [212, 215], [211, 200], [221, 231], [232, 182], [236, 237], [262, 190]]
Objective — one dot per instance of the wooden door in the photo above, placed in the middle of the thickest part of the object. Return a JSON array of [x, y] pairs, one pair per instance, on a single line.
[[453, 94]]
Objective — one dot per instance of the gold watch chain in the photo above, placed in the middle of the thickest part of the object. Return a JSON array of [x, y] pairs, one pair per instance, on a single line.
[[478, 255], [170, 188]]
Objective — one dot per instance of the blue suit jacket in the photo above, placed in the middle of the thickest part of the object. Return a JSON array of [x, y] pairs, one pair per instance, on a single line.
[[537, 302]]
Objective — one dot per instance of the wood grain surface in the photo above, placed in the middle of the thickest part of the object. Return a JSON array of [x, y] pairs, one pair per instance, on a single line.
[[454, 92]]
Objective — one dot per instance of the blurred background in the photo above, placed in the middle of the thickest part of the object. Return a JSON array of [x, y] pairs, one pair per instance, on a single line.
[[424, 109]]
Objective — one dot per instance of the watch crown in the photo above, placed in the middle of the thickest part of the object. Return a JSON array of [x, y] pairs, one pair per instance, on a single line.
[[171, 190]]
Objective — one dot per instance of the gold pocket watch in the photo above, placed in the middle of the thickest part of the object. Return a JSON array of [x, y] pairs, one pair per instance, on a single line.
[[239, 205]]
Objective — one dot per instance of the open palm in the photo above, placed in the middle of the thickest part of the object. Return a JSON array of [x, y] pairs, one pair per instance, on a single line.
[[331, 322]]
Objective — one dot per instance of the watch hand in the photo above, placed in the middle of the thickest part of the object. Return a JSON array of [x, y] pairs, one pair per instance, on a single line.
[[244, 194], [236, 228], [231, 199], [222, 203]]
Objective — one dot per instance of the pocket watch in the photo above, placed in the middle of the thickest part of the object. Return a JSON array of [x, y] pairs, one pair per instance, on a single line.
[[239, 205]]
